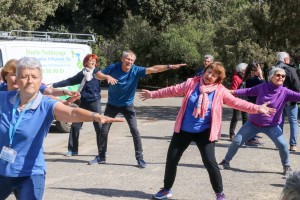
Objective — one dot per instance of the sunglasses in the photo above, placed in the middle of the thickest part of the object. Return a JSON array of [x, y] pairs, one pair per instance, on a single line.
[[280, 75]]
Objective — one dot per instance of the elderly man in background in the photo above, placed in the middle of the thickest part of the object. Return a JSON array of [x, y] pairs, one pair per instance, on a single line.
[[208, 59], [291, 108]]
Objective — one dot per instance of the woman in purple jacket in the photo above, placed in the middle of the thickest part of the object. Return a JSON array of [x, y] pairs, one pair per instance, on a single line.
[[274, 92], [201, 107]]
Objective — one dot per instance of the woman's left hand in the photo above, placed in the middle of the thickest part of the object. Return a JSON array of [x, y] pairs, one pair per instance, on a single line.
[[144, 95], [264, 109]]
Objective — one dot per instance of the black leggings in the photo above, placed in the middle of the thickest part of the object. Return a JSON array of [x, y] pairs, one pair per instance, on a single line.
[[235, 118], [179, 143]]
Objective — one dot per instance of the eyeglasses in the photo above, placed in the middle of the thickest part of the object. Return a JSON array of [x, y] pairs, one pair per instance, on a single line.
[[280, 75]]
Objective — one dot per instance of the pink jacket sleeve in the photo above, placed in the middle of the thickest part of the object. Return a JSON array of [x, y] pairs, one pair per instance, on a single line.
[[239, 104], [172, 91]]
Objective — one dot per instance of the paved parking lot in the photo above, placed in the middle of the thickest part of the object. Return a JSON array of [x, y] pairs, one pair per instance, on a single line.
[[256, 172]]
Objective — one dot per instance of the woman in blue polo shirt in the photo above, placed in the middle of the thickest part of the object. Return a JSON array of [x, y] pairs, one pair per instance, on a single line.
[[25, 118]]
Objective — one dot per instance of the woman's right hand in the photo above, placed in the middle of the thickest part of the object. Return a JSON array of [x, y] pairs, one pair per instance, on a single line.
[[144, 95]]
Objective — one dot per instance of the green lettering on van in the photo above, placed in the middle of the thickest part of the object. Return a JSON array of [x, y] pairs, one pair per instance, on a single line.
[[32, 52], [53, 53]]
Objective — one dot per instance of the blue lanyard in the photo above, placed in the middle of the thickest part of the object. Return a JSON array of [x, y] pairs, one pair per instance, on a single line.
[[13, 126]]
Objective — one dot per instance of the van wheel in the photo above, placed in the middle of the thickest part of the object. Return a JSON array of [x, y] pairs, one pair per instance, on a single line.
[[63, 127]]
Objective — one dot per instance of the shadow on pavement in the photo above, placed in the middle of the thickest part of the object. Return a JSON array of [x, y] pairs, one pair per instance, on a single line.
[[66, 160], [157, 112], [251, 172], [110, 192]]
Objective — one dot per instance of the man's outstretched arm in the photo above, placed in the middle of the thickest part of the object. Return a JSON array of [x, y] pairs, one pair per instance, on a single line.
[[162, 68]]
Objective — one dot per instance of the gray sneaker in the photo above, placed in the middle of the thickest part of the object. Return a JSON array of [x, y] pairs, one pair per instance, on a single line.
[[287, 170], [97, 160]]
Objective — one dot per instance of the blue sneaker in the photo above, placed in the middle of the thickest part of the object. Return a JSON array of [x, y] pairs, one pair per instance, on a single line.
[[163, 194], [70, 153], [141, 163], [97, 160]]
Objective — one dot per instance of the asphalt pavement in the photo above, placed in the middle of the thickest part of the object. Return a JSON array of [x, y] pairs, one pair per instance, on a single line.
[[255, 174]]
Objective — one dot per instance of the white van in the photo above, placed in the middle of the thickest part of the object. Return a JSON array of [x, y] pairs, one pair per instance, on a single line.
[[61, 54]]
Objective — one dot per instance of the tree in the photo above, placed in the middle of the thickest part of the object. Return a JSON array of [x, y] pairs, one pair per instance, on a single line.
[[178, 43], [26, 14], [284, 26]]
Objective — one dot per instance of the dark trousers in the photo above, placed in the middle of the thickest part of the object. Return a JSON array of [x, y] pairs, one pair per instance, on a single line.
[[235, 118], [179, 143], [129, 114], [94, 106], [27, 187]]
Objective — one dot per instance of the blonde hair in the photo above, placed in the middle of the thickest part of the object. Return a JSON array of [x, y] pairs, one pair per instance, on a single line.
[[9, 67]]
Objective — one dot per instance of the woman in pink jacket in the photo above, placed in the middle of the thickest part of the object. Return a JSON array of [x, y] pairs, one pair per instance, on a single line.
[[201, 107]]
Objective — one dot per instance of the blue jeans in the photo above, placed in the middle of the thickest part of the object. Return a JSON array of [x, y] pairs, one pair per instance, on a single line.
[[248, 130], [28, 187], [94, 106], [129, 113], [291, 111]]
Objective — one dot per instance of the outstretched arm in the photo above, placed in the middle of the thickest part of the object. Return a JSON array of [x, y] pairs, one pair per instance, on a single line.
[[53, 92], [70, 114], [110, 80], [162, 68], [59, 92]]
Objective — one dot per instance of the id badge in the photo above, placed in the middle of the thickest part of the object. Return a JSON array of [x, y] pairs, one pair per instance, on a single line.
[[8, 154]]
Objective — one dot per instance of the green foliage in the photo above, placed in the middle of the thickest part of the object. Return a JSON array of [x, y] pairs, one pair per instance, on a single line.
[[242, 37], [284, 20], [179, 43], [26, 14], [163, 13], [168, 31]]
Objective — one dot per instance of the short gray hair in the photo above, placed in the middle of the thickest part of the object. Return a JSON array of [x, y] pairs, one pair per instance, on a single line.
[[282, 55], [128, 52], [210, 57], [273, 71], [28, 63], [241, 67], [291, 189]]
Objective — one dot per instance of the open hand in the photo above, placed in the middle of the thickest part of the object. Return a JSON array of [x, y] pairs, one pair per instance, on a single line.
[[177, 66], [144, 95], [264, 109], [111, 80]]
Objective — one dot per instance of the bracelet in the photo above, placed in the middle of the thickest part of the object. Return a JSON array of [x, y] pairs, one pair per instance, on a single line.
[[168, 67], [64, 92], [93, 116]]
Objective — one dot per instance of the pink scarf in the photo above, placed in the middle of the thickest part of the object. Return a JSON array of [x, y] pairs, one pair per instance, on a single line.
[[202, 105]]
